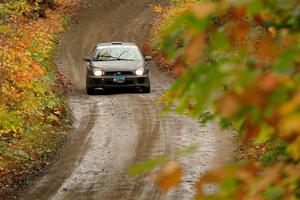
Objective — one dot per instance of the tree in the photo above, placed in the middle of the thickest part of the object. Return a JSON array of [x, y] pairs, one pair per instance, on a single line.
[[29, 8], [41, 6], [240, 59]]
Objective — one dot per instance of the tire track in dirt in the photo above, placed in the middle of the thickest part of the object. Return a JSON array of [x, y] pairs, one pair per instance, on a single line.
[[147, 144], [78, 143]]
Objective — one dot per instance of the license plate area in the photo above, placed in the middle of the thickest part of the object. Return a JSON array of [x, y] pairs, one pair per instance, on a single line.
[[119, 79]]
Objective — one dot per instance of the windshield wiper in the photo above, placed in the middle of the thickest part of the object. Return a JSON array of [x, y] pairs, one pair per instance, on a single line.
[[125, 59], [113, 57]]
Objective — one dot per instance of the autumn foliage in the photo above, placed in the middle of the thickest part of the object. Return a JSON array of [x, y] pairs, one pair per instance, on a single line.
[[33, 109], [240, 60]]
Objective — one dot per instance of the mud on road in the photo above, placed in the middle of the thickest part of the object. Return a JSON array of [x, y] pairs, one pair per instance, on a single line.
[[113, 131]]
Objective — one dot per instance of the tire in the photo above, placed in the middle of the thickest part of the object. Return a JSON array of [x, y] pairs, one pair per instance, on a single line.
[[90, 91], [146, 89]]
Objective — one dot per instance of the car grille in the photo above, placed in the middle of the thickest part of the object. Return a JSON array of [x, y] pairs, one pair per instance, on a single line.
[[118, 73], [111, 82]]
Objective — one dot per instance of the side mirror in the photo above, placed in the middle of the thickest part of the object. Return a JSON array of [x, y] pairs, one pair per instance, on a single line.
[[148, 58], [87, 59]]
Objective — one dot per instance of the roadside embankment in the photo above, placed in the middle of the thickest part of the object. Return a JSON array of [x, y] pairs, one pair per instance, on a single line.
[[34, 114]]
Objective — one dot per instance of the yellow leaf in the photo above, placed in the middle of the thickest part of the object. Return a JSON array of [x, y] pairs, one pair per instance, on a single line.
[[294, 149], [56, 112], [289, 126], [290, 106], [157, 9], [52, 118]]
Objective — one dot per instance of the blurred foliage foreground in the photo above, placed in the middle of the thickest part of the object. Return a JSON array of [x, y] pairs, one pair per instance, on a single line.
[[239, 59], [33, 109]]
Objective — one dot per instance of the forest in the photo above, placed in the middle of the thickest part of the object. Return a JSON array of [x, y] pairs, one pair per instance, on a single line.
[[235, 62]]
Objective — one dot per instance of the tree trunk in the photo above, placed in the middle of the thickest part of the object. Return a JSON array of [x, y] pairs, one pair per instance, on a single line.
[[42, 6]]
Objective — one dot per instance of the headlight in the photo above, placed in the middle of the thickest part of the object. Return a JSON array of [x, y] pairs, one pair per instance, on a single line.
[[98, 72], [139, 71]]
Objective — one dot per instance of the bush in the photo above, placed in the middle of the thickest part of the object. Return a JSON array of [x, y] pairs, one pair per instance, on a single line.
[[240, 60]]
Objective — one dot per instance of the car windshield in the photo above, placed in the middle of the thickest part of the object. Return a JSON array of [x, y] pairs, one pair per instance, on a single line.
[[111, 53]]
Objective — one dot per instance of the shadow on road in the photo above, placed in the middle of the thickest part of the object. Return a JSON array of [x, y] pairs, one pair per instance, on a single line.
[[115, 91]]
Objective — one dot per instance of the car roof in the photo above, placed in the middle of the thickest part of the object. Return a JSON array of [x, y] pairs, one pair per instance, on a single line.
[[115, 43]]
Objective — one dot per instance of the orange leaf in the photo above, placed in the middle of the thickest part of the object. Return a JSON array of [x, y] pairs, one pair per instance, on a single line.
[[195, 48], [228, 105], [239, 13], [268, 82], [252, 96], [179, 68], [202, 10], [169, 176], [272, 31], [266, 49], [259, 19], [251, 131], [238, 31]]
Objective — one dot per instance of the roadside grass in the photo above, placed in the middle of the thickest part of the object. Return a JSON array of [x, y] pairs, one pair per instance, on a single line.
[[66, 20]]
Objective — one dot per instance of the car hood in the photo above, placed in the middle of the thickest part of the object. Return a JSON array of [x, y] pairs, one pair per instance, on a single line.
[[118, 65]]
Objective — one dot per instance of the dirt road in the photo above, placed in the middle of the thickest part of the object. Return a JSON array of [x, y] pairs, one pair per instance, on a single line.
[[114, 131]]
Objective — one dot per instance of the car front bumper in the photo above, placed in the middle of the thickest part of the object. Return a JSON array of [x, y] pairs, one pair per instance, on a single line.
[[109, 82]]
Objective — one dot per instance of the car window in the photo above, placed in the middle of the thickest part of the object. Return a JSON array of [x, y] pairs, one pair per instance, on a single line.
[[109, 53]]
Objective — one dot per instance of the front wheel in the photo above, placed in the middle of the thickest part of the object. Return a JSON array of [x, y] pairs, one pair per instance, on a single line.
[[90, 91], [146, 89]]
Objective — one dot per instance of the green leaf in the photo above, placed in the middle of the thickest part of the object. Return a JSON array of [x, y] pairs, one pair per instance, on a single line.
[[21, 154], [255, 6], [218, 40], [275, 193], [148, 165], [186, 151]]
